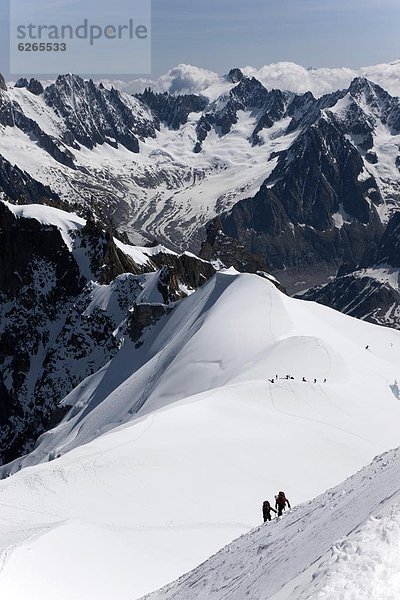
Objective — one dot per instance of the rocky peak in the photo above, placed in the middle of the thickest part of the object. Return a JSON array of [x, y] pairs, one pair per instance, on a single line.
[[250, 92], [21, 83], [34, 86], [172, 110], [360, 86], [106, 260], [375, 102], [95, 115], [3, 85], [235, 75], [224, 252]]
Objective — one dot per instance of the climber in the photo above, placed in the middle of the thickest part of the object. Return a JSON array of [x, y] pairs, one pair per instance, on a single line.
[[280, 503], [304, 379], [267, 510]]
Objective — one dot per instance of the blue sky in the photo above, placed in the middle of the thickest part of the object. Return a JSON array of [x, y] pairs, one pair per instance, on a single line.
[[220, 34]]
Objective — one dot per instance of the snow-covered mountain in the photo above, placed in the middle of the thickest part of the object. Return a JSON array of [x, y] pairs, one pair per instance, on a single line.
[[304, 181], [67, 292], [343, 544], [166, 452], [150, 399]]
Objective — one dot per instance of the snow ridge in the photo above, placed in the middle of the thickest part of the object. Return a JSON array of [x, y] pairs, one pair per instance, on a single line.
[[343, 544]]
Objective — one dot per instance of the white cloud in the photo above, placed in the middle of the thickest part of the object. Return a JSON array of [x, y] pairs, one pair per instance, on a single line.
[[183, 79], [283, 75]]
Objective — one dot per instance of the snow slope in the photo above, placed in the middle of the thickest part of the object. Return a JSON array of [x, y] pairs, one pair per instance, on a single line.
[[344, 544], [168, 450]]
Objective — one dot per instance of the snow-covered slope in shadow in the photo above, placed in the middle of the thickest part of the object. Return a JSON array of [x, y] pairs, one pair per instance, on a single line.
[[343, 544]]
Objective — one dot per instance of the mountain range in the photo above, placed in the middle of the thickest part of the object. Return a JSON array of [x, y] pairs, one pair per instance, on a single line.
[[200, 306], [201, 398], [305, 182]]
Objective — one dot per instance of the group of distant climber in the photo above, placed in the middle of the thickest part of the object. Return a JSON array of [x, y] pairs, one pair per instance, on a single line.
[[290, 377], [280, 505]]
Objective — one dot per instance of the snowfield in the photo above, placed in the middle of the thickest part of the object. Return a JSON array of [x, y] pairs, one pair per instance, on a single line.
[[169, 450]]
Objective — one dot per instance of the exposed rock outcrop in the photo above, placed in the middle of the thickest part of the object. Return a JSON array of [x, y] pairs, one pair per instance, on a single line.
[[173, 111], [369, 290]]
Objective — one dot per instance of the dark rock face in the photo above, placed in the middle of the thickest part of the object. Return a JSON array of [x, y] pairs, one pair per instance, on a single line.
[[143, 316], [107, 261], [290, 218], [389, 250], [21, 188], [3, 85], [235, 76], [22, 83], [368, 290], [35, 87], [229, 252], [37, 277], [175, 271], [94, 115], [360, 296], [172, 110], [21, 240]]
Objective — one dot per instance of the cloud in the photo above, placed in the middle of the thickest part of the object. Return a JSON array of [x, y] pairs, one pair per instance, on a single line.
[[186, 79], [293, 77], [183, 79]]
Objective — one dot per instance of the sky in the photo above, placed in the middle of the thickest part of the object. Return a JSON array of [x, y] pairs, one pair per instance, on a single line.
[[221, 34]]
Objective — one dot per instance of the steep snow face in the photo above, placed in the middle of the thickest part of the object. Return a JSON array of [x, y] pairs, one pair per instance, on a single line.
[[343, 544], [169, 450]]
